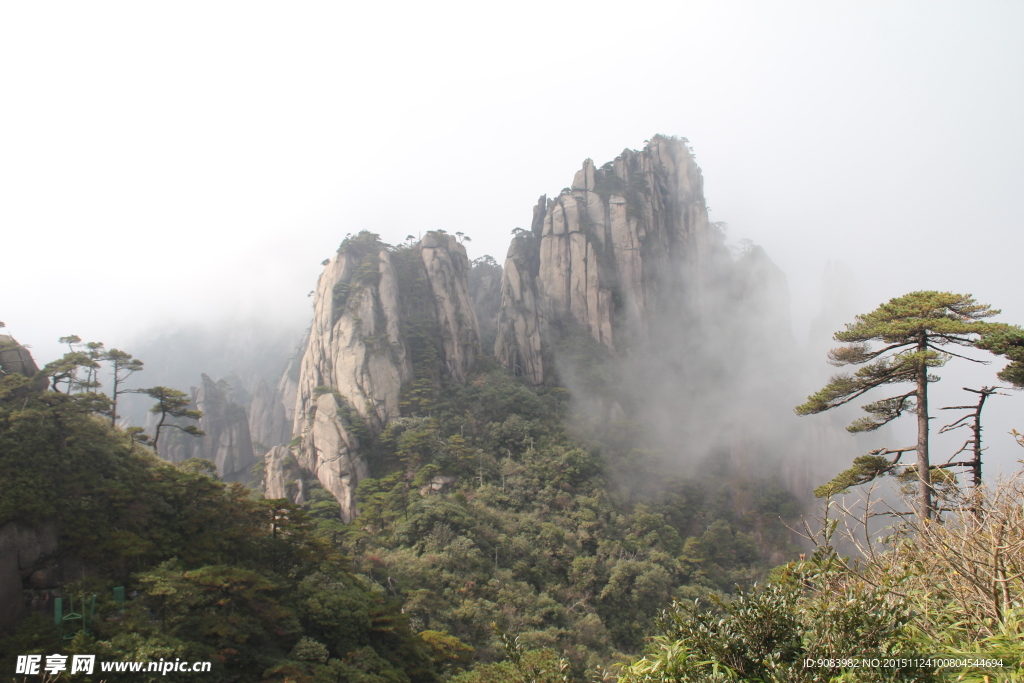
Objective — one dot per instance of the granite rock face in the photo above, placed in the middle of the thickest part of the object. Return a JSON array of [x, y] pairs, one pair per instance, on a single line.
[[624, 292], [447, 269], [354, 345], [626, 244], [268, 423], [626, 257], [282, 477], [485, 288], [15, 358], [518, 344], [272, 411], [226, 443], [330, 451], [375, 309]]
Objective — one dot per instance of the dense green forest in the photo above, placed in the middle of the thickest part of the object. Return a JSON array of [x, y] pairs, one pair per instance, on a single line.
[[493, 544], [526, 546], [214, 572]]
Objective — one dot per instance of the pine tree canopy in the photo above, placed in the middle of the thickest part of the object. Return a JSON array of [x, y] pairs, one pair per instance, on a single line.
[[946, 318], [910, 327], [172, 402], [1008, 342]]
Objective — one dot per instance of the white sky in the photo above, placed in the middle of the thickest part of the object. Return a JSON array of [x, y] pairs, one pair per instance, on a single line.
[[163, 163]]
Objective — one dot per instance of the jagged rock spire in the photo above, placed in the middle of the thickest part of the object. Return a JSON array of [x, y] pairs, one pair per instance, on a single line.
[[359, 355], [624, 243]]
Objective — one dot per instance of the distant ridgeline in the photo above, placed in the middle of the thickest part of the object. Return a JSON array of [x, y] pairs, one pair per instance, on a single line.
[[622, 290]]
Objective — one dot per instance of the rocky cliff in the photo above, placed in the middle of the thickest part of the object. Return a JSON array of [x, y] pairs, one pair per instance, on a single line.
[[485, 288], [626, 293], [622, 272], [15, 358], [272, 411], [386, 321], [624, 246], [282, 477], [227, 442]]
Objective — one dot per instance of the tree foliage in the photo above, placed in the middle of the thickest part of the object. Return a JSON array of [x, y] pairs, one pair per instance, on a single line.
[[123, 366], [914, 332], [172, 403], [767, 633], [1007, 342], [486, 517], [213, 572]]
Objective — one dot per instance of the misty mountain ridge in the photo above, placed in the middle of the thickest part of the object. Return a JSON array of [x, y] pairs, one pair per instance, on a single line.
[[622, 291], [515, 460]]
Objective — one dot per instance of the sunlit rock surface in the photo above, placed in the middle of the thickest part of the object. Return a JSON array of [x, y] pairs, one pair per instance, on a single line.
[[17, 359], [624, 272], [625, 243], [357, 361], [623, 264], [282, 476], [354, 346], [447, 269], [518, 342]]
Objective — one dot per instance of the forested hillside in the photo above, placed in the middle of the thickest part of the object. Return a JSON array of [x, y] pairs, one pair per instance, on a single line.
[[491, 545], [212, 572], [583, 464], [485, 523]]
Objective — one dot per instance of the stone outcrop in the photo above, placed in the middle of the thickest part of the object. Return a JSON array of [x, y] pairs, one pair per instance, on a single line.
[[354, 344], [330, 451], [447, 269], [624, 292], [226, 441], [272, 411], [518, 342], [15, 358], [625, 259], [24, 552], [626, 244], [382, 319], [288, 385], [485, 288], [268, 424], [282, 477]]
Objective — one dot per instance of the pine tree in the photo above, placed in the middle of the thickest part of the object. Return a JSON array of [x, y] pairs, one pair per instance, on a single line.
[[67, 369], [171, 403], [912, 329], [124, 366]]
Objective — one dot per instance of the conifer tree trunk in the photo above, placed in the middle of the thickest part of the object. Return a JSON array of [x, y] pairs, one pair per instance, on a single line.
[[923, 472], [113, 402]]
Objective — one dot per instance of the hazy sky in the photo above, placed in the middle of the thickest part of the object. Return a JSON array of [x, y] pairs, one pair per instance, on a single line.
[[176, 162]]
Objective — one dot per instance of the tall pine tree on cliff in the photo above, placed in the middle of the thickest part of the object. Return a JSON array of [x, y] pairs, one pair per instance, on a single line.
[[912, 329], [171, 403]]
